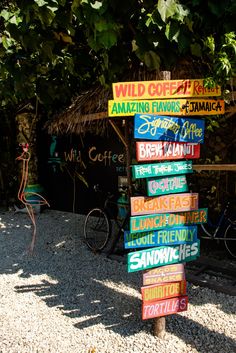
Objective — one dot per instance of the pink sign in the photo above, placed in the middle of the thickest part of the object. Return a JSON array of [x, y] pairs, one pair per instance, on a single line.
[[164, 307], [163, 274], [163, 150]]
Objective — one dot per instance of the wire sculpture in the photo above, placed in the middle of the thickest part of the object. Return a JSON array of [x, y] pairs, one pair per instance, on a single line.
[[26, 196]]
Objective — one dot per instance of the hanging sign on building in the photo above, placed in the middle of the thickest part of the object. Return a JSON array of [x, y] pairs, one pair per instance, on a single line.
[[164, 274], [167, 128], [141, 205], [174, 107], [163, 255], [163, 89], [164, 307], [163, 150], [165, 220], [161, 169], [168, 185], [169, 236]]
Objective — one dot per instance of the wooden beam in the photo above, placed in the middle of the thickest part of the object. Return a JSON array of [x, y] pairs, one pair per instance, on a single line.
[[200, 167], [119, 132]]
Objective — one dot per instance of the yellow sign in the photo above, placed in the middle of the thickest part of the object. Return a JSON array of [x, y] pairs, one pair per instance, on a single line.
[[163, 89], [174, 107]]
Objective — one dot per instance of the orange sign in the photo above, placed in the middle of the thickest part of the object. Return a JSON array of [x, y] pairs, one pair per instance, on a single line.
[[163, 291], [141, 205], [163, 89]]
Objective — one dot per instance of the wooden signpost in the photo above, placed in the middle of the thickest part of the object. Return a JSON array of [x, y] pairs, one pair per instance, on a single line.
[[161, 169], [163, 89], [164, 307], [164, 223], [167, 128], [163, 255], [168, 185], [141, 205], [163, 150], [182, 107], [164, 274], [169, 236], [166, 220]]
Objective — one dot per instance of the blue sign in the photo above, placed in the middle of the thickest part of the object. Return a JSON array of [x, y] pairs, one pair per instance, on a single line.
[[166, 128]]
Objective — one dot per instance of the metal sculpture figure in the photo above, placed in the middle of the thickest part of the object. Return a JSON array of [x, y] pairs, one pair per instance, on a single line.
[[24, 196]]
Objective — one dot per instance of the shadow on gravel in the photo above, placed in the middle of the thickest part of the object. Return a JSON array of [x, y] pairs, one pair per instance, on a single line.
[[211, 341], [88, 288]]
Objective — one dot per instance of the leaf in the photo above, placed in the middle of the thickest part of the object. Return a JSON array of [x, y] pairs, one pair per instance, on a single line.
[[66, 38], [134, 45], [196, 49], [172, 31], [166, 8], [5, 14], [75, 5], [210, 43], [96, 5], [40, 2], [102, 25], [107, 38], [152, 60]]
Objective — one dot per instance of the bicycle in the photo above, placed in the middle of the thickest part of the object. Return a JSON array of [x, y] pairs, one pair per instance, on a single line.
[[99, 223], [223, 230]]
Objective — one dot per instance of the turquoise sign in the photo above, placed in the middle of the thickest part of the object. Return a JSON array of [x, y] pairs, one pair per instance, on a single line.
[[166, 128], [160, 169], [164, 255], [169, 236], [166, 220], [168, 185]]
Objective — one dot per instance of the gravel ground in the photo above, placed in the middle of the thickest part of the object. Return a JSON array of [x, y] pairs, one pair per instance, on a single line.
[[66, 299]]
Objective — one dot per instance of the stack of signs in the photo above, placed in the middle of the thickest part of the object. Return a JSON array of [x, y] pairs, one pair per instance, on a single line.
[[164, 223]]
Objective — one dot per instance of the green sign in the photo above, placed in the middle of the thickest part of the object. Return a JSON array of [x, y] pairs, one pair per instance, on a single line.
[[165, 220], [168, 185], [168, 236], [164, 255], [160, 169]]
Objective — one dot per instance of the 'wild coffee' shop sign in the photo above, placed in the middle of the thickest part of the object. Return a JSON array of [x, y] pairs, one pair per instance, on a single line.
[[163, 89]]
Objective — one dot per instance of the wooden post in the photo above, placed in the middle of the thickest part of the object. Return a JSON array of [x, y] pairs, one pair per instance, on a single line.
[[128, 157], [159, 328], [160, 322]]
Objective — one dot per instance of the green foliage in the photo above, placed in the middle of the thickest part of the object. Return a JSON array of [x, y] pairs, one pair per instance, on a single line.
[[54, 49]]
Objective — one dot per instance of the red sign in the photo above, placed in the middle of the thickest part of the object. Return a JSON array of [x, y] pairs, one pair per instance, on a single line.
[[164, 307], [164, 150], [164, 274]]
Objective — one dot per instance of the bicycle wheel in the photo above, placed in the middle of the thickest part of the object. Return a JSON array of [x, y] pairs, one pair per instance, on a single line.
[[208, 230], [230, 233], [97, 229]]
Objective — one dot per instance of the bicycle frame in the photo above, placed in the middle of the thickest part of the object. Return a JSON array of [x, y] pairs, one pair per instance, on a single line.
[[220, 227]]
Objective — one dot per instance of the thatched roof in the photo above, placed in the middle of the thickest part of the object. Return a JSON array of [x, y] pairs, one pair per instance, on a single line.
[[87, 108], [88, 111]]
